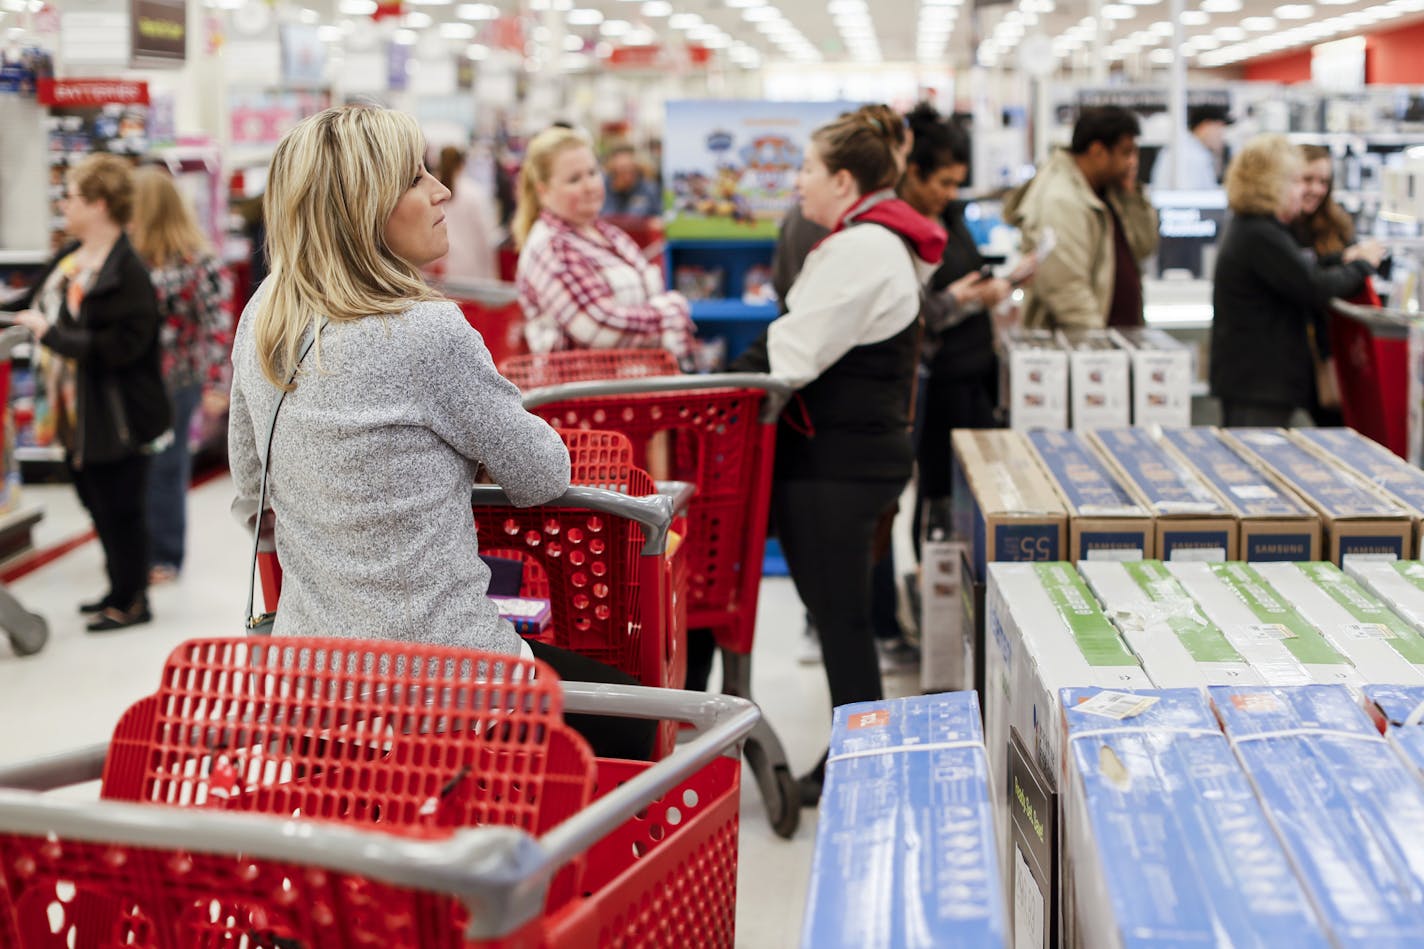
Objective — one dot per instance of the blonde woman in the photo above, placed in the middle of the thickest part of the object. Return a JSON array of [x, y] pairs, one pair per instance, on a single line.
[[583, 283], [195, 326], [388, 415], [94, 313], [1264, 295]]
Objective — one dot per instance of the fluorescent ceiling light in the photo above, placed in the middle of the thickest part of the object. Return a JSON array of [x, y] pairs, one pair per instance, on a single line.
[[615, 27], [573, 43], [735, 4], [1259, 24], [584, 16], [1195, 18], [657, 8], [357, 7], [476, 51], [404, 37], [761, 14], [1221, 6], [476, 11], [416, 21], [329, 34], [684, 21], [1294, 11]]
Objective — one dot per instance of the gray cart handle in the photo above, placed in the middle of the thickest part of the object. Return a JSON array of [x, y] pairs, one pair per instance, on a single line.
[[654, 512], [484, 292], [1382, 321], [778, 393], [500, 873]]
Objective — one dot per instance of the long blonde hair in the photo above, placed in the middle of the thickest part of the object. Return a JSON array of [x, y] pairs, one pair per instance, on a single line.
[[537, 169], [164, 229], [1257, 177], [334, 181]]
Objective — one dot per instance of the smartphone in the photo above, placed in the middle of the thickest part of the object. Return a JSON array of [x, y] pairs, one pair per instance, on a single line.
[[986, 272]]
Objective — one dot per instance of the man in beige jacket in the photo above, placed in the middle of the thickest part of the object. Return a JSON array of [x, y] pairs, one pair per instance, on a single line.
[[1103, 225]]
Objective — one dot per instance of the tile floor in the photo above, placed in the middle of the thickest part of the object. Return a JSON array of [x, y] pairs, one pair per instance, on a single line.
[[72, 693]]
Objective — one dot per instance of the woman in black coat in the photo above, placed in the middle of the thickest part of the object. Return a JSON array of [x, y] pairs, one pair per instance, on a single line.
[[1266, 296], [94, 311]]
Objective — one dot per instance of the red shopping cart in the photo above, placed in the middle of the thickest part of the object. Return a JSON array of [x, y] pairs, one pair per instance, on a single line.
[[492, 307], [341, 793], [1371, 347], [534, 370], [721, 436]]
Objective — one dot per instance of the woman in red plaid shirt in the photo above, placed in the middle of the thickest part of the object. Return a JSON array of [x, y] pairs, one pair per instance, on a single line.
[[194, 334], [583, 283]]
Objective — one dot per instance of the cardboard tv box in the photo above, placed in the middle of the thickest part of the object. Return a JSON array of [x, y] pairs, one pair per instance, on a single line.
[[1045, 633], [1193, 523], [1165, 843], [1357, 520], [1098, 390], [1005, 507], [1274, 523], [1162, 375], [946, 654], [1281, 645], [1382, 646], [1106, 521], [1034, 379], [905, 850], [1402, 482], [1175, 641], [1346, 807]]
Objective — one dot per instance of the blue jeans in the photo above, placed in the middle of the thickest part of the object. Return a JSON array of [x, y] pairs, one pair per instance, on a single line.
[[169, 475]]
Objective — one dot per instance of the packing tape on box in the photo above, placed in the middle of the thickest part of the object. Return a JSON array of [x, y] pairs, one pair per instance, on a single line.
[[896, 749], [1307, 733]]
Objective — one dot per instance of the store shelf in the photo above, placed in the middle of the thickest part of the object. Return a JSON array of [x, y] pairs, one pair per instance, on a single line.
[[46, 453], [23, 258], [16, 531], [732, 311]]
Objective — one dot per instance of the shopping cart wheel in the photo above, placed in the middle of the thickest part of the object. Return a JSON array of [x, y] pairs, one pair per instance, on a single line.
[[28, 631], [780, 794]]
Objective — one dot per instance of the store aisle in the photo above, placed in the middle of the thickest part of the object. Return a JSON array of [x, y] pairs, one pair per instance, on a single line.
[[73, 692]]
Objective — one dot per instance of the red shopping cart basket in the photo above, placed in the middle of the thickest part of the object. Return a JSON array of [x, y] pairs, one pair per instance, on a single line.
[[533, 370], [1371, 347], [492, 307], [341, 793], [721, 439]]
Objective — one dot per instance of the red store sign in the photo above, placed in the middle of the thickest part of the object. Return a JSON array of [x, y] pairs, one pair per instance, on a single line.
[[88, 93]]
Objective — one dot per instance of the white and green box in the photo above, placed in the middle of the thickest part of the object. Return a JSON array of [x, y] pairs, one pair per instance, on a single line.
[[1176, 643], [1386, 649], [1278, 642], [1400, 585], [1045, 632]]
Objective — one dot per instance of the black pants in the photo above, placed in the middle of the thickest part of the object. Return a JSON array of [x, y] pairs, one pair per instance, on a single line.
[[114, 493], [1255, 414], [609, 737], [950, 403], [827, 531]]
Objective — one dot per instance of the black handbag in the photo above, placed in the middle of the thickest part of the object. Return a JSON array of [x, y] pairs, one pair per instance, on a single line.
[[260, 624]]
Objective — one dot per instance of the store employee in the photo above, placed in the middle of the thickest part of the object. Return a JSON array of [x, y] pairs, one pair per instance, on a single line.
[[1200, 158]]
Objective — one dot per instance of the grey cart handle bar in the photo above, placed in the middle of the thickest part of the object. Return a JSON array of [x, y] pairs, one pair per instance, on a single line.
[[501, 874], [654, 512], [778, 393]]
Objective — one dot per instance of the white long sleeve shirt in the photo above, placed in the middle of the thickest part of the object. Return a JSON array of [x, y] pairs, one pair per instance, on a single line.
[[859, 286]]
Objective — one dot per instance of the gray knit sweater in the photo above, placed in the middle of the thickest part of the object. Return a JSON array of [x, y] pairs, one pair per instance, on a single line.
[[372, 463]]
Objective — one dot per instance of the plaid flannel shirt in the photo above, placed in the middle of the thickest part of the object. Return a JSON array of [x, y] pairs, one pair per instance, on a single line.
[[583, 292]]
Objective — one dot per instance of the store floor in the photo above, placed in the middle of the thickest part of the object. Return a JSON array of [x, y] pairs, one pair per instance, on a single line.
[[72, 693]]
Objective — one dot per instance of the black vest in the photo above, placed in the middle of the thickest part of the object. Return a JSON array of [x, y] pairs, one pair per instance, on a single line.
[[853, 422]]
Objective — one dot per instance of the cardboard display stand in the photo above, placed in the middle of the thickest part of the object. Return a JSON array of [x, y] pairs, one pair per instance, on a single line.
[[1106, 520], [1402, 482], [1098, 380], [1005, 507]]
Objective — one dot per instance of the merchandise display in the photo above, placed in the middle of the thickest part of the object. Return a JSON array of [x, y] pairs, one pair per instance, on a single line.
[[1098, 379], [1352, 829], [1033, 389], [1162, 374], [1357, 520], [1399, 710], [1275, 524], [911, 769], [1401, 481], [946, 644], [1005, 508], [1192, 522], [1107, 522], [1167, 842], [1399, 585]]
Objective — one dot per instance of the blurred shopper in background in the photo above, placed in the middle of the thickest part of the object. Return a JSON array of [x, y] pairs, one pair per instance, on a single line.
[[848, 344], [1342, 267], [1201, 157], [195, 332], [470, 220], [583, 283], [1265, 298], [1103, 227], [961, 386], [630, 192], [94, 313]]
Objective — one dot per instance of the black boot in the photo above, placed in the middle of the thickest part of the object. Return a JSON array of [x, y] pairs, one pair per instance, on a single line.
[[811, 783]]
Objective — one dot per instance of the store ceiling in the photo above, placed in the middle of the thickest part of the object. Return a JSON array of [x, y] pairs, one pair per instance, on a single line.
[[1025, 34]]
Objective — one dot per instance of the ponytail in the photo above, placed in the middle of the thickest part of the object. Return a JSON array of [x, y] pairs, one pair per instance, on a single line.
[[864, 143], [537, 168]]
